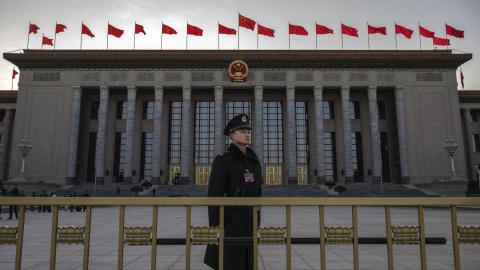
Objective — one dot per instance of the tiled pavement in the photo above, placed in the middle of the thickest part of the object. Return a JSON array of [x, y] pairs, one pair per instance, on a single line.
[[305, 224]]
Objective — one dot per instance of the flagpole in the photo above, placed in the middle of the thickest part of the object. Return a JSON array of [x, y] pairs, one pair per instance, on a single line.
[[257, 37], [12, 83], [396, 46], [81, 36], [135, 24], [218, 35], [419, 37], [186, 43], [368, 37], [55, 36], [107, 33], [42, 42], [289, 36], [446, 36], [238, 31], [316, 37], [341, 33], [28, 36], [161, 38]]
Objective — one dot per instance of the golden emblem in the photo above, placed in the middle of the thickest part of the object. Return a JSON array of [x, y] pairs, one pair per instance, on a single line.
[[244, 119], [238, 71]]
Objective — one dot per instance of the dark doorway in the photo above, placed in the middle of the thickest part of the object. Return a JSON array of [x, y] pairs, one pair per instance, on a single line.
[[385, 160]]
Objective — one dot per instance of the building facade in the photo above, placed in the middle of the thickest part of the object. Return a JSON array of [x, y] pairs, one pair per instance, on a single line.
[[345, 116]]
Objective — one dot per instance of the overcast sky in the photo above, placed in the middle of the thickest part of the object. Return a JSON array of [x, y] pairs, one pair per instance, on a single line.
[[15, 16]]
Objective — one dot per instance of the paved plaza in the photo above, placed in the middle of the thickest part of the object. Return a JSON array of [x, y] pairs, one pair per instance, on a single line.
[[103, 252]]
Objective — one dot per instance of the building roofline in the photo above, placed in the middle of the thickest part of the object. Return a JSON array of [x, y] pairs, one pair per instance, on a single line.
[[221, 58]]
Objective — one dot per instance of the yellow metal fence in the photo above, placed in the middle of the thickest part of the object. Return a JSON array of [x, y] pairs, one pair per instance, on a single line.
[[396, 235]]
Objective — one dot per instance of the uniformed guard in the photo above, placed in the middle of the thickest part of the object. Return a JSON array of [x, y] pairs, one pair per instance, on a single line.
[[235, 173]]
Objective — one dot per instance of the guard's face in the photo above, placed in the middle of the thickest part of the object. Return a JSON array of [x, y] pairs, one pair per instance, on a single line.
[[241, 136]]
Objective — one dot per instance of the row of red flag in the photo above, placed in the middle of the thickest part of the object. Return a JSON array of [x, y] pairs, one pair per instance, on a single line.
[[250, 24]]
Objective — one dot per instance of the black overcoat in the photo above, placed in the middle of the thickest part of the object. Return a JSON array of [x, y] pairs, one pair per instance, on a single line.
[[227, 180]]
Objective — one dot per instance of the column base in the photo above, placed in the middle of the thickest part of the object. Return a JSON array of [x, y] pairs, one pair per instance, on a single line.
[[72, 181], [376, 179], [321, 180], [100, 180], [405, 180], [292, 180], [156, 180], [184, 180], [349, 179], [127, 180]]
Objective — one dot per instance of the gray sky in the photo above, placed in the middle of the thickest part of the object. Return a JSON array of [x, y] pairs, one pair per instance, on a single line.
[[15, 15]]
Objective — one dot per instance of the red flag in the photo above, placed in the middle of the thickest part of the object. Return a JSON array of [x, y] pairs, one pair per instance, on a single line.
[[461, 78], [347, 30], [453, 32], [168, 30], [47, 41], [14, 73], [441, 41], [403, 30], [321, 30], [60, 28], [246, 22], [139, 29], [33, 28], [262, 30], [425, 32], [225, 30], [193, 30], [377, 30], [297, 30], [86, 31], [116, 32]]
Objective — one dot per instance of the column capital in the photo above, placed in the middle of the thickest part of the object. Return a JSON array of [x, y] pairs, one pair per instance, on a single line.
[[290, 92], [103, 87], [318, 88], [158, 87], [131, 87], [218, 87], [399, 87], [345, 93], [77, 87], [290, 87], [187, 92], [372, 87], [158, 92], [186, 87], [258, 87], [345, 87], [318, 92]]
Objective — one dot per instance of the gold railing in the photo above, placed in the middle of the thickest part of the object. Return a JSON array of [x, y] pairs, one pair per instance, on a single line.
[[396, 235]]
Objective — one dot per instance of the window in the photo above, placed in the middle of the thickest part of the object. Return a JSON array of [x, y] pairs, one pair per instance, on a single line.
[[94, 110], [175, 133], [476, 142], [146, 165], [148, 110], [2, 116], [330, 156], [381, 110], [301, 124], [204, 132], [272, 132], [122, 109], [357, 159], [328, 111], [354, 109], [473, 115], [233, 108], [119, 158]]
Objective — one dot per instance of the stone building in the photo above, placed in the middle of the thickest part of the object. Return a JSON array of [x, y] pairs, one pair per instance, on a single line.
[[346, 116]]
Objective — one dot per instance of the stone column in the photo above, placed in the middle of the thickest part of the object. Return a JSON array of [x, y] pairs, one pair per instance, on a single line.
[[219, 121], [402, 139], [157, 134], [187, 139], [5, 143], [319, 130], [375, 133], [291, 157], [73, 139], [347, 134], [129, 127], [468, 134], [101, 136], [258, 124]]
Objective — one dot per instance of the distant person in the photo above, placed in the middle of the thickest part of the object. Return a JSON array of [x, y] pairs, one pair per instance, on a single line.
[[13, 208]]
